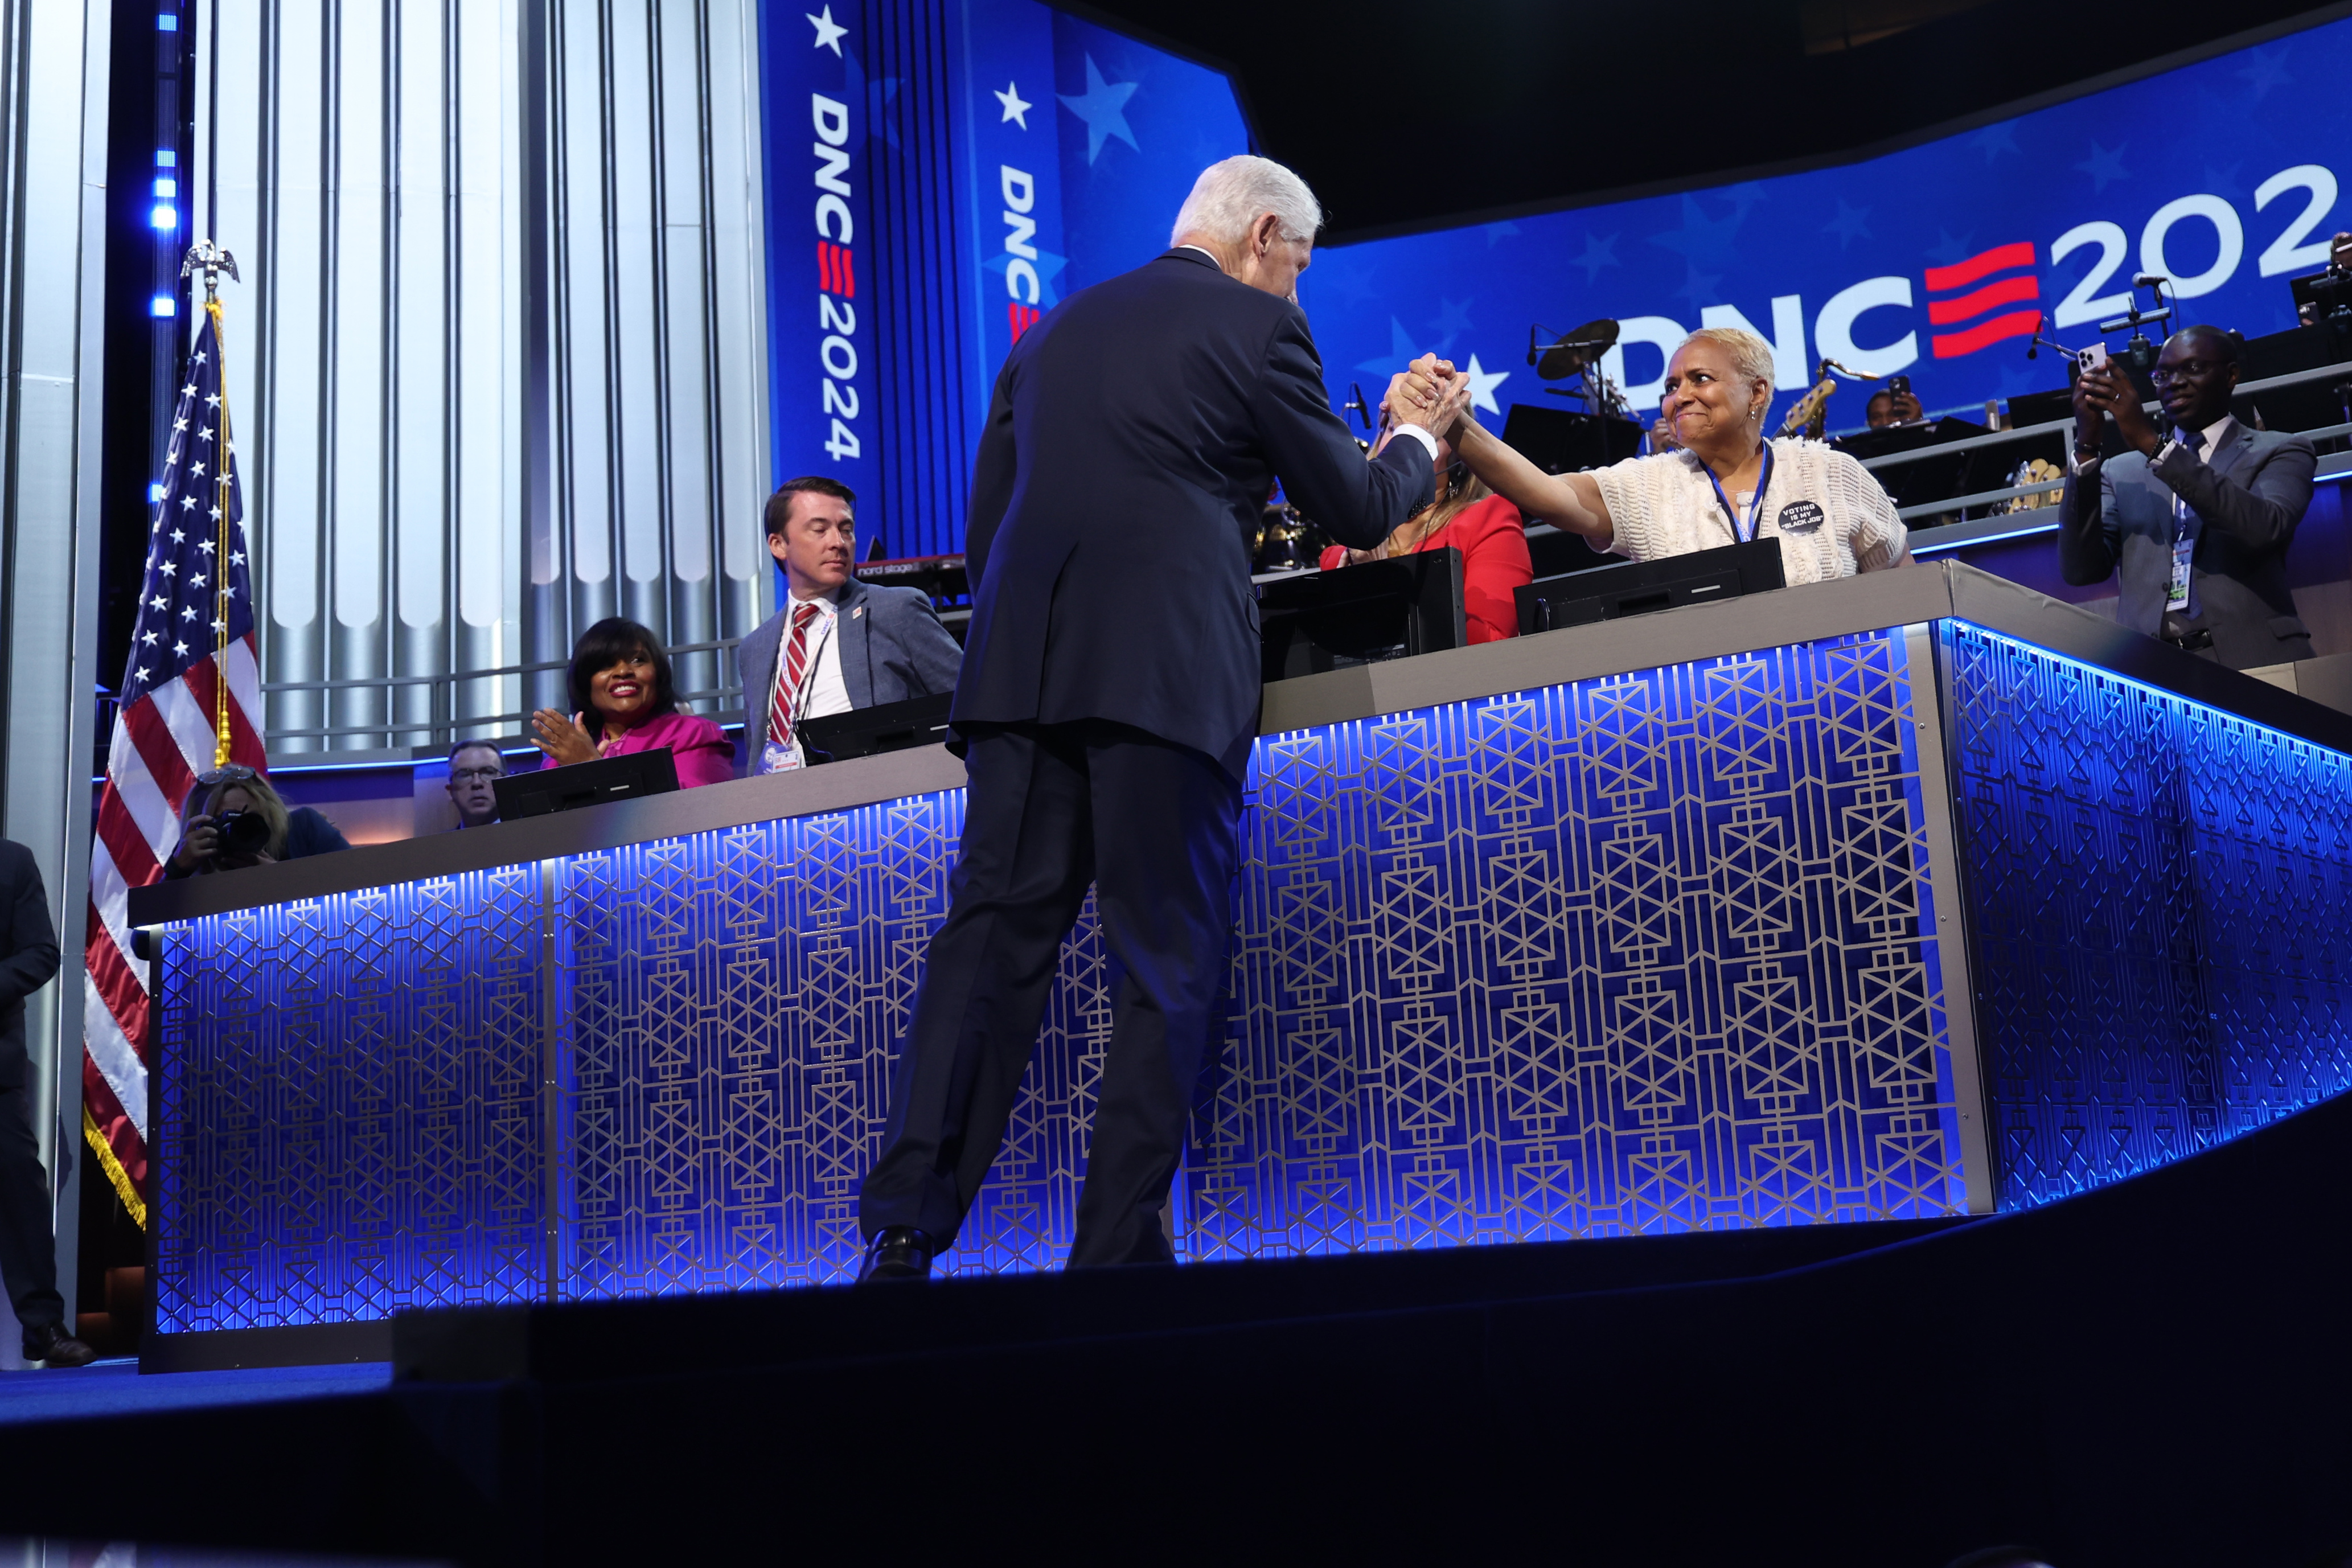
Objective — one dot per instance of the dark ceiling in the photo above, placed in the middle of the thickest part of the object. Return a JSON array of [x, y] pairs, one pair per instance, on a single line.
[[1400, 115]]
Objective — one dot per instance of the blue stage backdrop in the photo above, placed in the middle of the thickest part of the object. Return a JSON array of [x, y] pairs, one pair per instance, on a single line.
[[938, 175], [1935, 261]]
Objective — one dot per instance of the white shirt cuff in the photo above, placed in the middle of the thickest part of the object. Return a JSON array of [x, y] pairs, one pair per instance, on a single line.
[[1422, 436]]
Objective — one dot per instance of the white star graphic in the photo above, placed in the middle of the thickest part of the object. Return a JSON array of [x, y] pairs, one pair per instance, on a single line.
[[185, 503], [1014, 109], [828, 32], [189, 390], [157, 601], [177, 537], [196, 581], [220, 626], [141, 675], [149, 639], [200, 356], [196, 471], [189, 614], [206, 547], [215, 514], [178, 425], [170, 570], [236, 557], [205, 434], [1483, 384], [214, 401], [180, 648]]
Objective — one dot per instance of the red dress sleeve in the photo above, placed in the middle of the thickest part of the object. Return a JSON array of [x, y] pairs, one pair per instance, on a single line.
[[1493, 540]]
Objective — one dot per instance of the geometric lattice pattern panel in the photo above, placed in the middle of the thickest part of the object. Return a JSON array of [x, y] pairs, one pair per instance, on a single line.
[[2159, 893], [731, 1004], [349, 1105], [1633, 955]]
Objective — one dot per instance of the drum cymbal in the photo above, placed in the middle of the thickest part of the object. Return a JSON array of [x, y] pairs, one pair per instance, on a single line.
[[1577, 348]]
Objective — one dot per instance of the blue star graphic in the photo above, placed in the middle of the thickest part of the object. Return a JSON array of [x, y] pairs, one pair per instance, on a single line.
[[2222, 179], [1848, 225], [1049, 267], [878, 96], [1400, 352], [1742, 196], [2267, 70], [1701, 238], [1495, 231], [1352, 284], [1995, 140], [1946, 250], [1597, 254], [1103, 106], [2104, 167], [1698, 288], [1452, 318]]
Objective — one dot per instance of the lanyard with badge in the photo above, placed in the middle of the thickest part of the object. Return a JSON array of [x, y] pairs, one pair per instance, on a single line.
[[1755, 507], [776, 758], [2184, 554]]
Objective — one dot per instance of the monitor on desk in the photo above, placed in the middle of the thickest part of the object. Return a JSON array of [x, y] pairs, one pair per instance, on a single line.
[[623, 777], [1637, 587], [1315, 621], [1932, 478], [886, 727]]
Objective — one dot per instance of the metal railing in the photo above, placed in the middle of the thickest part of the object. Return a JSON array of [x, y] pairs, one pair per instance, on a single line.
[[440, 729], [2007, 523]]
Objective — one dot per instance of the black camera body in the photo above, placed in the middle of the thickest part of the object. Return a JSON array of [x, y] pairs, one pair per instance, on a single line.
[[243, 832]]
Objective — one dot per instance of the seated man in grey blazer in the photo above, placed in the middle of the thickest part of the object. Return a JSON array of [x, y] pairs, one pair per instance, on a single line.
[[837, 643], [2194, 526]]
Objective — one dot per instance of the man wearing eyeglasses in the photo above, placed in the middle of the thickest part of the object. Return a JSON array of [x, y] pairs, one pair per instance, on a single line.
[[475, 766], [2193, 523]]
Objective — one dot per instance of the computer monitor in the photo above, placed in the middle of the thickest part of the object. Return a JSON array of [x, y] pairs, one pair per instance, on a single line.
[[1637, 587], [1379, 610], [1562, 440], [622, 777], [886, 727]]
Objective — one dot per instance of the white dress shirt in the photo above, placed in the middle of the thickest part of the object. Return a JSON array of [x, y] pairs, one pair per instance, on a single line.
[[823, 690]]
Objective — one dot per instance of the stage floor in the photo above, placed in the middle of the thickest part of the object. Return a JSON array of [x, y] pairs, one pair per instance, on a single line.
[[115, 1388]]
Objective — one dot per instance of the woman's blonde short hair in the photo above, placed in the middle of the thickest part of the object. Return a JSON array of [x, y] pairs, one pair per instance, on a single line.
[[1751, 356]]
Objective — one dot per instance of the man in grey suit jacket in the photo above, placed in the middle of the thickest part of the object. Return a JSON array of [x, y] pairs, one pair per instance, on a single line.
[[859, 646], [2220, 500]]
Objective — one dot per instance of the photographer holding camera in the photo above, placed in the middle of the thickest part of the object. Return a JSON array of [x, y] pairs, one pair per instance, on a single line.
[[233, 819]]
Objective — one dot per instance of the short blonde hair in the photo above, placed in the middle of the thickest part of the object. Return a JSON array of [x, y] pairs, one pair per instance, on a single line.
[[1751, 356]]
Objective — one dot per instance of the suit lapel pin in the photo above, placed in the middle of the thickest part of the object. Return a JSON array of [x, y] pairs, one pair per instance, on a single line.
[[857, 612]]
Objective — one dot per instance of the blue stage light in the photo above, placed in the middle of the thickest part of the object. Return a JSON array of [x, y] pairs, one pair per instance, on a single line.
[[167, 188], [167, 22], [165, 158], [165, 217], [162, 305]]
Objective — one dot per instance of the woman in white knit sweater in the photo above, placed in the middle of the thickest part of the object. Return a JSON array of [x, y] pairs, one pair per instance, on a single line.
[[1727, 485]]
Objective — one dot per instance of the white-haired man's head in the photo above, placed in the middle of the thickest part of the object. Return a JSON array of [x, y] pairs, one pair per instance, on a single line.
[[1256, 217]]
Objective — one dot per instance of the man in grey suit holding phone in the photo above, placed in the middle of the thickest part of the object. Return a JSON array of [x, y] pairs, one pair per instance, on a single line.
[[2193, 525]]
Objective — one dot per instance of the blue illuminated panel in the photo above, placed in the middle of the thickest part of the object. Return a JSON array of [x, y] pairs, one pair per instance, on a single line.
[[1627, 956], [1633, 955], [2159, 891], [349, 1105]]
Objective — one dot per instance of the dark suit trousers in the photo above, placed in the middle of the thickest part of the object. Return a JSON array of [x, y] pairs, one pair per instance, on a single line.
[[1052, 807], [28, 1251]]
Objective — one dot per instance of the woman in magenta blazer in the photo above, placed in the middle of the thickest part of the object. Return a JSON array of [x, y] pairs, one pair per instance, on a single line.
[[624, 700], [1468, 517]]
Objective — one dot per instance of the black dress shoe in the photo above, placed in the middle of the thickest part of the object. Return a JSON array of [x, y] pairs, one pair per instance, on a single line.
[[49, 1342], [897, 1252]]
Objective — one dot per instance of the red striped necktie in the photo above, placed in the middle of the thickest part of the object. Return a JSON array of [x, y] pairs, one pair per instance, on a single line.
[[788, 686]]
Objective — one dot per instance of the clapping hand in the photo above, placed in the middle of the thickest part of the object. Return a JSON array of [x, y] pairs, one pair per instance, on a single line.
[[564, 740]]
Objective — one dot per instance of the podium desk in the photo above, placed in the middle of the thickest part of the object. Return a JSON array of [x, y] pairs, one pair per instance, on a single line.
[[1915, 894]]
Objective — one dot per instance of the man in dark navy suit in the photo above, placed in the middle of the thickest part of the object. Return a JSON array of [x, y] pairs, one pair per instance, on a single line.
[[2194, 527], [1109, 695]]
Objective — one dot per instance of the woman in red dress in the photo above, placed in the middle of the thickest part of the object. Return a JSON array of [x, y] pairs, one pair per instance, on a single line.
[[1468, 517]]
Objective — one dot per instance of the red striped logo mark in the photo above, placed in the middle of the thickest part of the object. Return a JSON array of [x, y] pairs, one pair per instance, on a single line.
[[1980, 297], [1023, 317], [834, 273]]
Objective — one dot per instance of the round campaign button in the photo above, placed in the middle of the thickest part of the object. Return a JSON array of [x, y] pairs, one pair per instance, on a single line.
[[1801, 516]]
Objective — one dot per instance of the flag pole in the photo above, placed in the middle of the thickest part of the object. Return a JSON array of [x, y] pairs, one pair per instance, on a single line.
[[211, 261]]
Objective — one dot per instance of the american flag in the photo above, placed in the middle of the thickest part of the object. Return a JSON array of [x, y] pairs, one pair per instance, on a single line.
[[196, 599]]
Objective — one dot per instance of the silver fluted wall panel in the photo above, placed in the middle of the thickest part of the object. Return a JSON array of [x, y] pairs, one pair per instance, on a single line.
[[374, 165]]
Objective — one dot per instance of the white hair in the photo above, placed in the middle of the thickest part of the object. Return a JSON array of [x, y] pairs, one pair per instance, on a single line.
[[1751, 356], [1231, 197]]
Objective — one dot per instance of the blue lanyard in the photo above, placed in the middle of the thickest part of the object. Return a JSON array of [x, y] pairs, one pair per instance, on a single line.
[[1755, 507]]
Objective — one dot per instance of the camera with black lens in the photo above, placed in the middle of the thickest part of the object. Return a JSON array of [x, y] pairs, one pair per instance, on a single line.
[[242, 832]]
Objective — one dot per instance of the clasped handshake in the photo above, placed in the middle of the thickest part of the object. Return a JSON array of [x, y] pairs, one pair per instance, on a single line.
[[1430, 394]]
